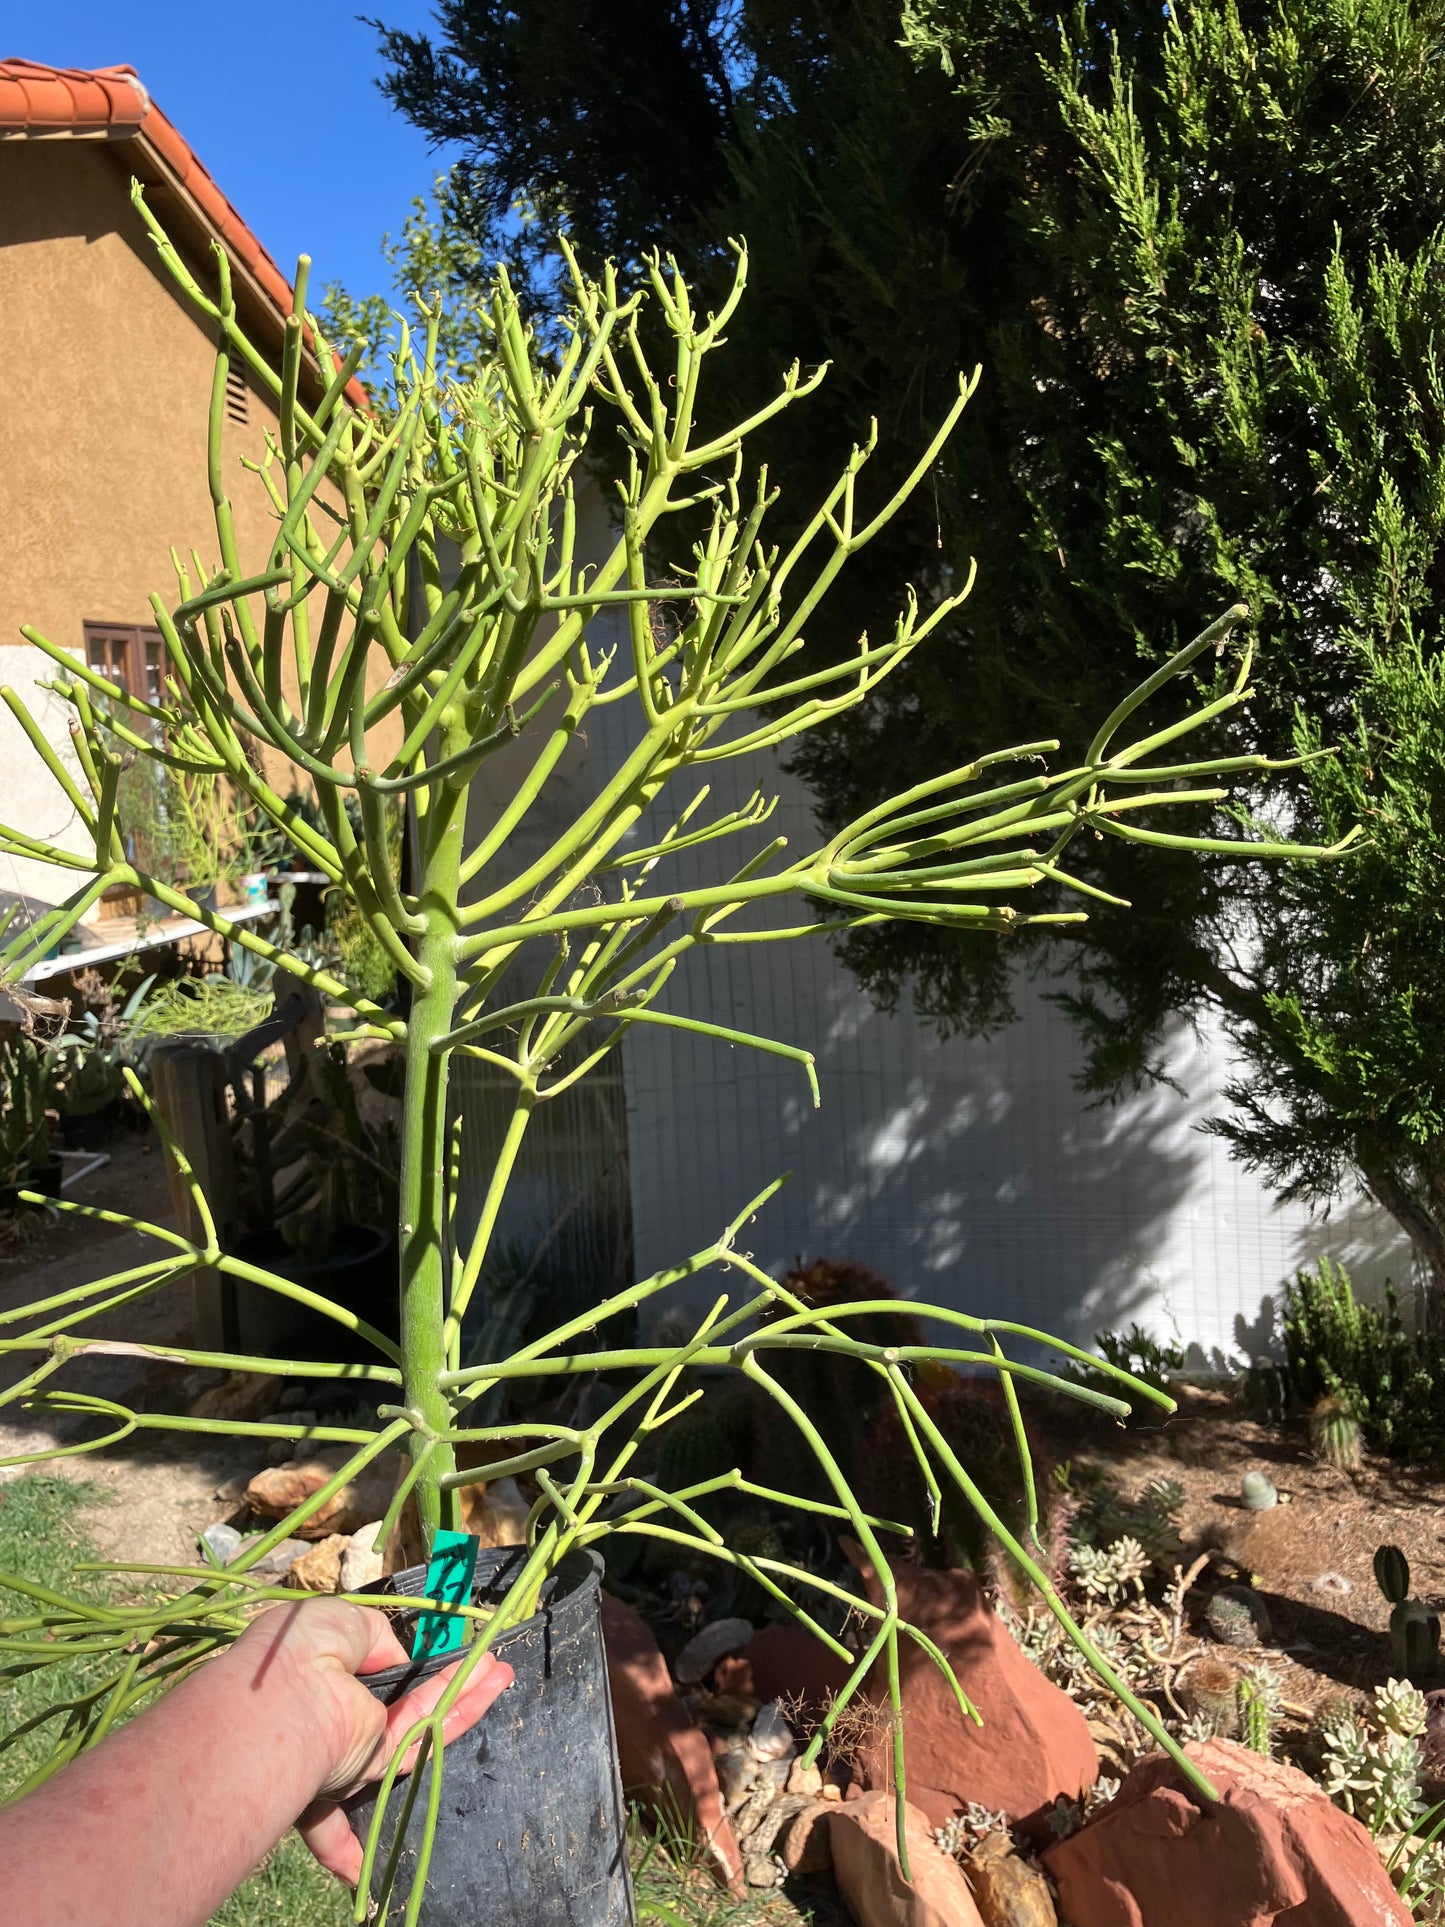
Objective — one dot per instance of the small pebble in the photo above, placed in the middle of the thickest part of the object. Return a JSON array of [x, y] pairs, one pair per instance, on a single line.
[[1334, 1582], [223, 1542]]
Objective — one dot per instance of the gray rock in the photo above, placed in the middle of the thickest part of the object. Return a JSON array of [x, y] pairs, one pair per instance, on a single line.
[[760, 1871], [737, 1768], [703, 1651], [222, 1541], [771, 1737], [280, 1559]]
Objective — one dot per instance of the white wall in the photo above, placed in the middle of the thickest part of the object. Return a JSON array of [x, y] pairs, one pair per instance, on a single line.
[[30, 799], [970, 1172]]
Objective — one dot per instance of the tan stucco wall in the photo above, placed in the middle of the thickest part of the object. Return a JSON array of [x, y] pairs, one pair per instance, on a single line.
[[105, 381]]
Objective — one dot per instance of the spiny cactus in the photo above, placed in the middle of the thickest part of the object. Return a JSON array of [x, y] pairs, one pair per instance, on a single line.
[[1211, 1690], [1237, 1616], [1256, 1492], [714, 1435], [1335, 1433], [1257, 1703]]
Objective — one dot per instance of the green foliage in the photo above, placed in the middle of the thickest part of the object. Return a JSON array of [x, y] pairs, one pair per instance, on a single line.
[[214, 1006], [1385, 1375], [95, 1049], [189, 826], [30, 1074], [43, 1539], [1150, 1519], [1142, 1356], [288, 1889], [1197, 250]]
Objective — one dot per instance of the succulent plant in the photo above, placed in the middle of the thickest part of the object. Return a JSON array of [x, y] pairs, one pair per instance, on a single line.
[[1112, 1574], [1237, 1616], [1257, 1703], [1371, 1763], [1335, 1432], [1392, 1574], [1257, 1492], [1211, 1691], [1105, 1518], [1414, 1628]]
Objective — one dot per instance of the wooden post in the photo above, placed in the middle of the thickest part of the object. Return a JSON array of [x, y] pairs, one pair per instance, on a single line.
[[189, 1082]]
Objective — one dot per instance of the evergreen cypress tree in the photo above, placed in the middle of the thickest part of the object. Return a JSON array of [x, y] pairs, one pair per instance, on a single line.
[[1198, 252]]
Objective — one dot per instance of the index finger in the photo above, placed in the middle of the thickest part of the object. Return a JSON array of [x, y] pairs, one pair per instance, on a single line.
[[490, 1679]]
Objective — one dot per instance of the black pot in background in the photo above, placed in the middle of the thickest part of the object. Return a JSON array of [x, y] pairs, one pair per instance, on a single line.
[[44, 1178], [532, 1830], [87, 1130], [358, 1271]]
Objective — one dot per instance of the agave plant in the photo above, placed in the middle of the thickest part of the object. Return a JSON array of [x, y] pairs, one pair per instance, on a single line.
[[371, 673]]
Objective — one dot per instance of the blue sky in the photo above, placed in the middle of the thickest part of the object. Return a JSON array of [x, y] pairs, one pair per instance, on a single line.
[[280, 104]]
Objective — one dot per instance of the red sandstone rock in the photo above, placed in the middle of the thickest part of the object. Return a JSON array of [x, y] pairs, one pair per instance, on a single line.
[[1275, 1852], [783, 1662], [663, 1755], [805, 1846], [865, 1863], [1034, 1744]]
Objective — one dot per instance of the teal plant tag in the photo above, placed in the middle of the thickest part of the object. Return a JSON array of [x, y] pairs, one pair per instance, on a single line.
[[449, 1579]]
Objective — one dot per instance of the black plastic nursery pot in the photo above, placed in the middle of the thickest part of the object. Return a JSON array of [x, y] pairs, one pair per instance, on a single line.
[[44, 1178], [358, 1271], [531, 1830]]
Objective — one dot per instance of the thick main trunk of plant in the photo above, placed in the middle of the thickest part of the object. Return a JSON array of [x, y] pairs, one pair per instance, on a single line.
[[423, 1241]]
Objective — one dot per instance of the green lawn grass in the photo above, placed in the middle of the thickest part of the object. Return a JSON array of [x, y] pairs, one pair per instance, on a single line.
[[42, 1538]]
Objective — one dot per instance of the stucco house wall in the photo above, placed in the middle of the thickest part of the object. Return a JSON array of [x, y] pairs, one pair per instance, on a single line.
[[105, 382]]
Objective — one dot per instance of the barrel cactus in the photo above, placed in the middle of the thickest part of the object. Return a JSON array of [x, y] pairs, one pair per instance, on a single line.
[[1335, 1433], [1257, 1493], [1238, 1616]]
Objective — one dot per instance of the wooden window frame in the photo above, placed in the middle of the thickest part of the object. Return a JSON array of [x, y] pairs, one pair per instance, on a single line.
[[120, 651]]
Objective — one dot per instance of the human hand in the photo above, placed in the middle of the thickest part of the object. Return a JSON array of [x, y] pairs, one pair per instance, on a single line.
[[314, 1651]]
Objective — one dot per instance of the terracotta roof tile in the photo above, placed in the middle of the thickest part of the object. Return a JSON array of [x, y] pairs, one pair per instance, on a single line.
[[110, 102], [36, 99]]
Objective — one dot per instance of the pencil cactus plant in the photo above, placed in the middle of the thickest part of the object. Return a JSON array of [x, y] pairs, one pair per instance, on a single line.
[[362, 668]]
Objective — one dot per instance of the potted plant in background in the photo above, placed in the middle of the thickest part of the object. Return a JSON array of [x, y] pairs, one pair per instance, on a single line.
[[522, 962]]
